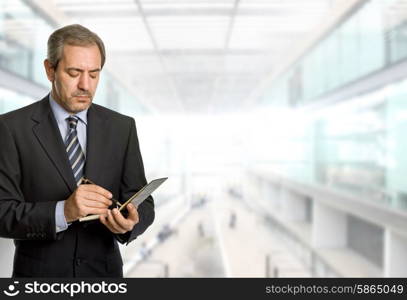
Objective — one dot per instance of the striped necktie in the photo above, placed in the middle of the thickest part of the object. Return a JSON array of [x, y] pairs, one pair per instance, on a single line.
[[73, 148]]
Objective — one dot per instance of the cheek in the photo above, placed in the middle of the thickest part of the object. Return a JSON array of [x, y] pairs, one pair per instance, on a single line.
[[59, 87], [64, 86], [68, 87]]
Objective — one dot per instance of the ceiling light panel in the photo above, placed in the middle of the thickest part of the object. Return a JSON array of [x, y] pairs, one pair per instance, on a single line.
[[287, 4], [99, 9], [264, 33], [121, 34], [189, 32]]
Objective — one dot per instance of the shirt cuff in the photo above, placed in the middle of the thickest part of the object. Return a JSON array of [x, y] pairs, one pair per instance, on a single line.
[[60, 220]]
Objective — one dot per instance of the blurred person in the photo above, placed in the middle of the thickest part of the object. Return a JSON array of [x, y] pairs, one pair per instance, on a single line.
[[232, 220], [201, 230], [144, 251], [47, 148]]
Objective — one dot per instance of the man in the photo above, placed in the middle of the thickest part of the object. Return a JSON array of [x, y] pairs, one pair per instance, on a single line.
[[45, 150]]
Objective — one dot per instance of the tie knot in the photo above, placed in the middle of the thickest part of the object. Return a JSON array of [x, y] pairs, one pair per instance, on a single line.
[[73, 122]]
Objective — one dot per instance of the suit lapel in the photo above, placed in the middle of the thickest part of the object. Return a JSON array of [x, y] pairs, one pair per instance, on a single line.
[[47, 132], [96, 129]]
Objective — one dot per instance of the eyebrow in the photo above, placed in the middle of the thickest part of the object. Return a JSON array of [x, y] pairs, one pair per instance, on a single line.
[[80, 70]]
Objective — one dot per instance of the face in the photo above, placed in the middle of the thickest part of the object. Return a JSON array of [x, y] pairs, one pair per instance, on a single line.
[[75, 79]]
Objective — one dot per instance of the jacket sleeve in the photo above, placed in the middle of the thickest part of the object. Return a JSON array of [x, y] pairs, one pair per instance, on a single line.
[[20, 219], [133, 179]]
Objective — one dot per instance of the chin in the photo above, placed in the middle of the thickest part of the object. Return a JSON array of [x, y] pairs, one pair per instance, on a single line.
[[80, 107]]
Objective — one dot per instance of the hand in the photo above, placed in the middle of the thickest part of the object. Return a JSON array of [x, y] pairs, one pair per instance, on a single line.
[[115, 221], [87, 199]]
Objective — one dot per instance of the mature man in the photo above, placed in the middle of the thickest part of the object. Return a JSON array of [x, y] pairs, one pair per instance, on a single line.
[[45, 150]]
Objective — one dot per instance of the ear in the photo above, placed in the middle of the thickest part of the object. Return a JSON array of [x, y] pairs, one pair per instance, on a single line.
[[50, 70]]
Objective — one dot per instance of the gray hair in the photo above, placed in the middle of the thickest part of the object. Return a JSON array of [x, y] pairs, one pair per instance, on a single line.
[[75, 35]]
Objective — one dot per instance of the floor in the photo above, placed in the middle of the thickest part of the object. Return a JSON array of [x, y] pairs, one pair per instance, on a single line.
[[221, 237]]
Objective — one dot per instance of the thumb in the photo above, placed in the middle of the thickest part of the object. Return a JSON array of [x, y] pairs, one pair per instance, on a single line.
[[133, 214]]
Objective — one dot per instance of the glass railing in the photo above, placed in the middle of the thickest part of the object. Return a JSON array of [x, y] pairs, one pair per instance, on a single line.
[[370, 39], [357, 146]]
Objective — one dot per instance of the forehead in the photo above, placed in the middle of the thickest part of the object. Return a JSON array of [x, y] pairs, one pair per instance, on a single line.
[[81, 56]]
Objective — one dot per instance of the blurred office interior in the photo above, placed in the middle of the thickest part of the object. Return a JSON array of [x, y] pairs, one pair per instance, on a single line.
[[279, 124]]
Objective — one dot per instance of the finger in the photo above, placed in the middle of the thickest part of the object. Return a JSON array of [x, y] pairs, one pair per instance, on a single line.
[[94, 204], [95, 211], [90, 195], [97, 189], [103, 220], [113, 224], [133, 214], [121, 221]]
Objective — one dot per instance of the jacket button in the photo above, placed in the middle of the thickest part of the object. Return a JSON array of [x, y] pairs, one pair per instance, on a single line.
[[78, 262]]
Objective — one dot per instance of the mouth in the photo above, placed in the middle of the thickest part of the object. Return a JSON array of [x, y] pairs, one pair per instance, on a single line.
[[82, 98]]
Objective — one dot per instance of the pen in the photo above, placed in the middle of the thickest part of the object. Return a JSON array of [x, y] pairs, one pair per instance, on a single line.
[[87, 181]]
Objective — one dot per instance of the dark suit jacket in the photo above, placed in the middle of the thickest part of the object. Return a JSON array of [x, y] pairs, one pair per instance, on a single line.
[[35, 173]]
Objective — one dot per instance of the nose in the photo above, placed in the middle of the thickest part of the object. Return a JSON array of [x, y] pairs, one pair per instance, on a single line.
[[83, 83]]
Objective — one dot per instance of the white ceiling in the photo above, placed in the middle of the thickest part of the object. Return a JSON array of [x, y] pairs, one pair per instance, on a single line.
[[203, 56]]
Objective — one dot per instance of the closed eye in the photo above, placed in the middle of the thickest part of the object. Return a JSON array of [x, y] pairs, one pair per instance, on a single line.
[[73, 73]]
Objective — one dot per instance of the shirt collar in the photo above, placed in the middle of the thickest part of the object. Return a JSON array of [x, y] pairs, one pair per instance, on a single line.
[[61, 114]]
